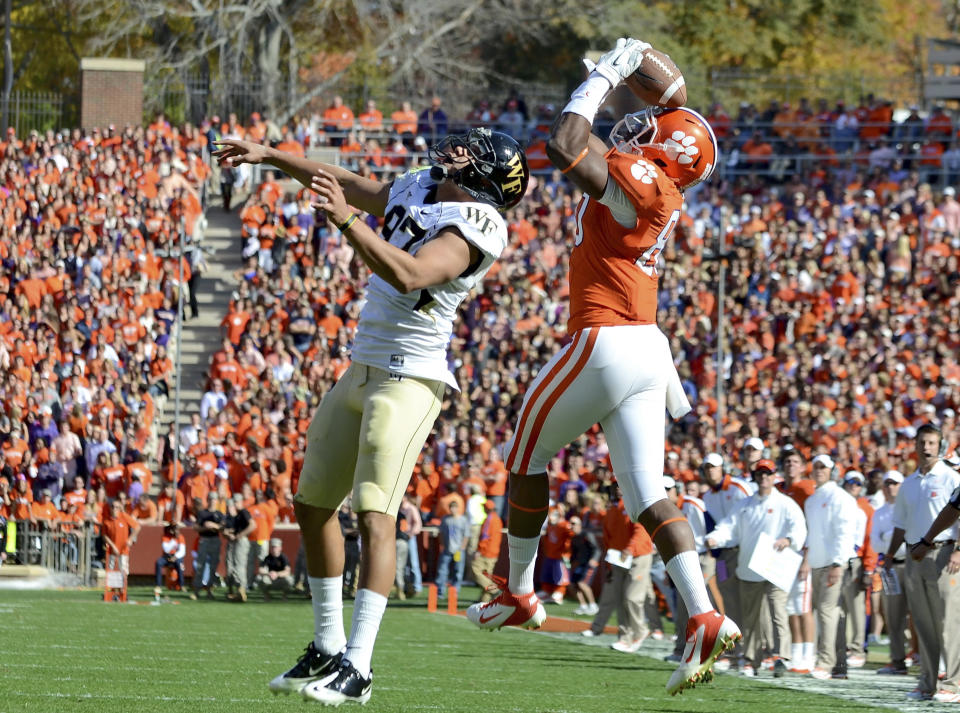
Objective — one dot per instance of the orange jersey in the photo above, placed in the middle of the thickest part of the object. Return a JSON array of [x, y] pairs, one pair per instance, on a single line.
[[613, 270], [556, 542]]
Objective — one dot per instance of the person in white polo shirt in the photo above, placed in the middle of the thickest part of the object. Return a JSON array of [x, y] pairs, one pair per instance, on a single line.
[[766, 512], [893, 597], [924, 516], [832, 516], [723, 494]]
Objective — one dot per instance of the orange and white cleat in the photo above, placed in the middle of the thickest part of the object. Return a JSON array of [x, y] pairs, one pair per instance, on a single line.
[[708, 636], [508, 609]]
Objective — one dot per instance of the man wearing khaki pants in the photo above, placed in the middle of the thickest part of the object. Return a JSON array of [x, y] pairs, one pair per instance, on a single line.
[[925, 516], [832, 515], [771, 513], [894, 599]]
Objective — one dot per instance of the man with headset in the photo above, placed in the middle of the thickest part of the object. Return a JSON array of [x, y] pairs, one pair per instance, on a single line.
[[925, 516]]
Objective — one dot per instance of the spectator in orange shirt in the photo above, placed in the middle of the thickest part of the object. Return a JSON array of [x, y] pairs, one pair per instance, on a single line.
[[21, 501], [262, 517], [337, 120], [145, 511], [371, 119], [404, 121], [488, 551], [119, 532], [170, 504], [757, 150], [554, 575], [291, 145], [43, 512], [77, 495]]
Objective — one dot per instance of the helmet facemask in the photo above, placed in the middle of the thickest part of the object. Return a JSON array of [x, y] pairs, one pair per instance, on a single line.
[[638, 130], [474, 177]]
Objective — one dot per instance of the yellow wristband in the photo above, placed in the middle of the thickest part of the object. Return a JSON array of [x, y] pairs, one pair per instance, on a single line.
[[350, 221]]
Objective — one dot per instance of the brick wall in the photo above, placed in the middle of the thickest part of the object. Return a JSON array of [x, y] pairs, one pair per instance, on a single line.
[[111, 92]]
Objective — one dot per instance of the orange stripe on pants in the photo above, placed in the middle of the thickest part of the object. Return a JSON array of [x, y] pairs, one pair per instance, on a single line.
[[557, 368], [552, 399]]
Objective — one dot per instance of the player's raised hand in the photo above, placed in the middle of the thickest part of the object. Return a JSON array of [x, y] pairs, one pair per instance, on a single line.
[[233, 152], [620, 62], [330, 198]]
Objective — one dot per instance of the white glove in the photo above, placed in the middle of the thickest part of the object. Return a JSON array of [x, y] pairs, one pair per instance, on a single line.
[[620, 62]]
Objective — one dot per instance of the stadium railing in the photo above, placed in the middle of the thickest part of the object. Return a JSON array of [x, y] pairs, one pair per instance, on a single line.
[[60, 551]]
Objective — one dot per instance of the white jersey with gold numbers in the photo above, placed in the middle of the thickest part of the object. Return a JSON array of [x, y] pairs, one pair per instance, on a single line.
[[408, 334]]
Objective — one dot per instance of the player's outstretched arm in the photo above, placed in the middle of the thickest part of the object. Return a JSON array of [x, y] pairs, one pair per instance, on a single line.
[[572, 147], [439, 261], [579, 153], [366, 194]]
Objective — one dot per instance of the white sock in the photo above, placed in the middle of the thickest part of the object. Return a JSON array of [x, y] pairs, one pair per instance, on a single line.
[[796, 655], [809, 655], [327, 595], [523, 558], [684, 570], [367, 612]]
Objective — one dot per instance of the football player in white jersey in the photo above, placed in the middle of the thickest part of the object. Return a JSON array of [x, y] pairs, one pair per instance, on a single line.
[[442, 231]]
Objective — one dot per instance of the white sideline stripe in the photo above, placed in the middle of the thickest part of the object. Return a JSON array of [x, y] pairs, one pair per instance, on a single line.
[[864, 685]]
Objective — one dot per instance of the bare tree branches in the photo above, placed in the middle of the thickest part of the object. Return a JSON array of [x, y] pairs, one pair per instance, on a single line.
[[414, 46]]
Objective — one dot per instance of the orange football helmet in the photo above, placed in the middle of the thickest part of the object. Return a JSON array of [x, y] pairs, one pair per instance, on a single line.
[[680, 141]]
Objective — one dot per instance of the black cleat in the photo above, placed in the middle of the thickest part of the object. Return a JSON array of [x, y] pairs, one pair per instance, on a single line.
[[311, 666], [344, 685]]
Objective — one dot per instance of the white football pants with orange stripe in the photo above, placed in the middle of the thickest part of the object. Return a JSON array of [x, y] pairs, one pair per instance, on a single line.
[[617, 376]]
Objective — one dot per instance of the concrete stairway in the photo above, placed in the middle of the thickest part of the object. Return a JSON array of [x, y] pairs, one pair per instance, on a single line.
[[201, 336]]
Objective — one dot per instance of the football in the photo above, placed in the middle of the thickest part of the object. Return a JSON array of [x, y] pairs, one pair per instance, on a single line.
[[658, 81]]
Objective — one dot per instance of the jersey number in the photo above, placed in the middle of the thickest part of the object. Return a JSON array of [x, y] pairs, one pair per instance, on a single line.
[[398, 219], [578, 221], [648, 261]]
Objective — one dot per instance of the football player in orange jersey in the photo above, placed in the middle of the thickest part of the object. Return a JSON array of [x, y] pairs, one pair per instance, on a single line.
[[618, 368]]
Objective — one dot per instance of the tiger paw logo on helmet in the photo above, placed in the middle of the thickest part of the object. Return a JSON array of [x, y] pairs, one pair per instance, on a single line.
[[644, 172], [684, 145]]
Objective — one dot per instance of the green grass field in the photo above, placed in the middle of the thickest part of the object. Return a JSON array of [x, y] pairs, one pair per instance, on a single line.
[[68, 651]]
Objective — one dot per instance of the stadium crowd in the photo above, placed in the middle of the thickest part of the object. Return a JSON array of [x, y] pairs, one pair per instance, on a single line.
[[841, 334]]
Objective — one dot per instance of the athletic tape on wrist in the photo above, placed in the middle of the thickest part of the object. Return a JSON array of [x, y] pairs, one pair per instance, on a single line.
[[587, 98]]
